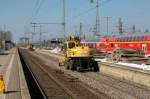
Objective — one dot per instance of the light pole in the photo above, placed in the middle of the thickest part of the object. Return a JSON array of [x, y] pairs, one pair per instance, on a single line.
[[97, 24], [64, 21], [107, 19], [97, 18]]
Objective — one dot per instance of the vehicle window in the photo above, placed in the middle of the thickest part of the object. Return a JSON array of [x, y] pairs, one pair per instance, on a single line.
[[71, 45]]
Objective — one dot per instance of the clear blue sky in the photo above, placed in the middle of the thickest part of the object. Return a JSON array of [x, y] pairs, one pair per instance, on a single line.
[[16, 15]]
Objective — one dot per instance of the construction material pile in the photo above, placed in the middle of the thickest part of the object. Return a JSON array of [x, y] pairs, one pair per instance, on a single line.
[[99, 55], [128, 55]]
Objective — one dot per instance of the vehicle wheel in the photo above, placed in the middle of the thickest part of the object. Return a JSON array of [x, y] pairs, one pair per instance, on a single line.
[[59, 64], [66, 66], [96, 67], [92, 68], [78, 69]]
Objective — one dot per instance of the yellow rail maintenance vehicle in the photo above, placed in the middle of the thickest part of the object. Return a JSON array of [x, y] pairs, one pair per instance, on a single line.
[[78, 56], [30, 46]]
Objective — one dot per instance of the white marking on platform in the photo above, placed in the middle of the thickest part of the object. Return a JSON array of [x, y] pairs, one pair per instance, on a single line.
[[7, 75]]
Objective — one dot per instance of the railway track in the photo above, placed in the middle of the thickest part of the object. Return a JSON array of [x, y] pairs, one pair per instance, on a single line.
[[58, 85], [116, 88]]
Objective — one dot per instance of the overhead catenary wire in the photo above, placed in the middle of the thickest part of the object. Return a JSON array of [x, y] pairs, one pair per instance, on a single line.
[[33, 10], [36, 9], [39, 4], [87, 11], [39, 7], [81, 14]]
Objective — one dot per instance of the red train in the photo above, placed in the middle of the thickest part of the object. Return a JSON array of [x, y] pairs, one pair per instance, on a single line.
[[137, 42]]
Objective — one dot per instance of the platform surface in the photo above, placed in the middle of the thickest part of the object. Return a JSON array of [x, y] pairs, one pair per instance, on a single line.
[[15, 84]]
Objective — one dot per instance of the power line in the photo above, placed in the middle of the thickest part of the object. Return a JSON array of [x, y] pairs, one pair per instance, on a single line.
[[35, 6], [81, 14], [106, 1], [38, 6], [90, 9]]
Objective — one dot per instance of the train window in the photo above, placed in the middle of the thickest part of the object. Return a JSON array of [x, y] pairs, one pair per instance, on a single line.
[[138, 38], [130, 38], [116, 39], [145, 38], [125, 39], [119, 40], [122, 39], [142, 39], [134, 38]]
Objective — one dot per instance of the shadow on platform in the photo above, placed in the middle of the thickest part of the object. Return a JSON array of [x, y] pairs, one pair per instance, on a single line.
[[8, 92], [4, 53]]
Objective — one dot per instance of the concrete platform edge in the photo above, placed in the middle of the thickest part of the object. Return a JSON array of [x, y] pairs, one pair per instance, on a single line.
[[126, 74], [23, 85]]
